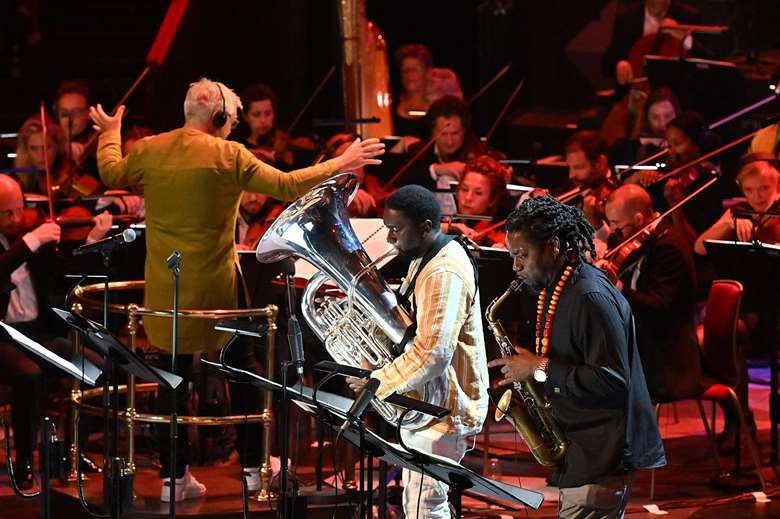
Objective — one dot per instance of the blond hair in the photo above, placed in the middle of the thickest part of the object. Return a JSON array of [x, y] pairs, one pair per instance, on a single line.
[[204, 99]]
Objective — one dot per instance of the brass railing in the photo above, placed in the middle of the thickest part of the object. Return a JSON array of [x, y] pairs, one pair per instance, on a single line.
[[86, 298]]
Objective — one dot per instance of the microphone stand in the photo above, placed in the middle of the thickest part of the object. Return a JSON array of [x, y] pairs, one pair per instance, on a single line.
[[174, 266], [284, 411]]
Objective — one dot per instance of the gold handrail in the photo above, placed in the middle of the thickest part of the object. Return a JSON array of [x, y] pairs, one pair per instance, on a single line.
[[85, 297]]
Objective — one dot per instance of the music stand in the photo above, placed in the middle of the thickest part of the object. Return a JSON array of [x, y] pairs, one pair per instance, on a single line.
[[88, 373], [757, 266], [118, 486], [335, 409], [458, 477], [711, 88]]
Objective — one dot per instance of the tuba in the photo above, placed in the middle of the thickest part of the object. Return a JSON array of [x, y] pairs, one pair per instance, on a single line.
[[527, 407], [366, 322]]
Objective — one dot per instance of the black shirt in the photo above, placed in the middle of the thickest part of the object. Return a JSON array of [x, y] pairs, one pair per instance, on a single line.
[[596, 385]]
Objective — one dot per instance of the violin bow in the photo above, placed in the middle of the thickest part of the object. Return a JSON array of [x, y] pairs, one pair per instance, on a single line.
[[49, 194]]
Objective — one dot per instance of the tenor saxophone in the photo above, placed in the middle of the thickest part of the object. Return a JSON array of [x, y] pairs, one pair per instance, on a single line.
[[526, 407]]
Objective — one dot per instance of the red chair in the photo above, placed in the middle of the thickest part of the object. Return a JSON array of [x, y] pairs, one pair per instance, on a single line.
[[719, 360]]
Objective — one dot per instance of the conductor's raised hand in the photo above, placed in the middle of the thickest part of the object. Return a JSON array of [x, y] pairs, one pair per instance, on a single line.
[[103, 121], [360, 153]]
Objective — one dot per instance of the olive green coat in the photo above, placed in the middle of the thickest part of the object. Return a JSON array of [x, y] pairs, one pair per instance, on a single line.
[[192, 185]]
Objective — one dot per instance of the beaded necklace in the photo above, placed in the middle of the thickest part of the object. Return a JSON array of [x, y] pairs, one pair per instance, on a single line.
[[544, 321]]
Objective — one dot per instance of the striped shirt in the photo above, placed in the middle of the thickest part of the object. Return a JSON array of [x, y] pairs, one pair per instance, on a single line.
[[449, 347]]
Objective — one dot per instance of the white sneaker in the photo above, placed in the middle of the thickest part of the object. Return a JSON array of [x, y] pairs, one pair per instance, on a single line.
[[252, 474], [187, 487]]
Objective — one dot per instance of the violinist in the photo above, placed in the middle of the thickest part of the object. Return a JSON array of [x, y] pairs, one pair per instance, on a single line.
[[266, 140], [481, 192], [364, 204], [71, 110], [29, 154], [255, 214], [656, 274], [687, 137], [454, 145], [586, 157], [27, 277], [759, 180], [638, 20], [649, 133]]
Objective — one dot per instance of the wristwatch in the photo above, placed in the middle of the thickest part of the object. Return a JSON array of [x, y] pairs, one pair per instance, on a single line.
[[540, 372]]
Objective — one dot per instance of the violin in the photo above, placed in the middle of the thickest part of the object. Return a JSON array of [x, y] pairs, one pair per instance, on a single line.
[[280, 148], [618, 256]]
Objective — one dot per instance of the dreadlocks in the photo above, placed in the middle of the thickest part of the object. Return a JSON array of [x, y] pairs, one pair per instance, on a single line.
[[544, 217]]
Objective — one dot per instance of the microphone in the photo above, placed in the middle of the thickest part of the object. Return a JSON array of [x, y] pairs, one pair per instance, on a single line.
[[295, 338], [361, 402], [126, 236], [294, 335]]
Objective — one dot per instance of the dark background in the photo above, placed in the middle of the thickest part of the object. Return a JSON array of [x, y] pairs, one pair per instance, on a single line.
[[290, 44]]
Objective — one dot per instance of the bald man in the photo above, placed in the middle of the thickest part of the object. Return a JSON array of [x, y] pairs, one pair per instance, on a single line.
[[23, 296], [658, 281]]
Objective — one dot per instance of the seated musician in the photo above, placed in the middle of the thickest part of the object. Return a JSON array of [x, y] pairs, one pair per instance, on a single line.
[[364, 205], [637, 20], [481, 192], [256, 212], [26, 280], [71, 110], [413, 62], [265, 139], [687, 137], [660, 108], [29, 155], [658, 281], [589, 169], [442, 82], [759, 181], [454, 145]]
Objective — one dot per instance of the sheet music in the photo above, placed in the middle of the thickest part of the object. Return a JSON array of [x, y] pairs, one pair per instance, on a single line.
[[90, 373]]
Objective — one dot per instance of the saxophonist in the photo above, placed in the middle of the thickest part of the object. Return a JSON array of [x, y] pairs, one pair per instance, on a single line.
[[586, 360], [448, 346]]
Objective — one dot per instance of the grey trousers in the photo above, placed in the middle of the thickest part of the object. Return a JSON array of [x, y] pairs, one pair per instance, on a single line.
[[606, 499]]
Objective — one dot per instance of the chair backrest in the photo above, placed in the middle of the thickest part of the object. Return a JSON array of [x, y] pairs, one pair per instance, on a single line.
[[720, 330]]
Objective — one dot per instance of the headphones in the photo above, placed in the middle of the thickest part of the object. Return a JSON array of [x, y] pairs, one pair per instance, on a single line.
[[220, 118]]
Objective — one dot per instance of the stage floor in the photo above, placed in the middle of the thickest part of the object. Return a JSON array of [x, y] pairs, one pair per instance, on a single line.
[[683, 487]]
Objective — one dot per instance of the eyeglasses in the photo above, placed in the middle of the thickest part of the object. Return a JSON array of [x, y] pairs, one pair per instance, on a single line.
[[76, 112], [6, 213]]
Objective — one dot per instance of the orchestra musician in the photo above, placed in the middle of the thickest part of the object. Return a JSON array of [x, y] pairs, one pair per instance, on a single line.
[[192, 199], [413, 62], [29, 154], [759, 181], [642, 20], [657, 277], [454, 144], [448, 346], [481, 192], [587, 360], [266, 140], [28, 273], [586, 157]]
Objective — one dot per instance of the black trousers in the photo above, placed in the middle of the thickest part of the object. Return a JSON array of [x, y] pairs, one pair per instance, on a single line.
[[244, 399], [26, 378]]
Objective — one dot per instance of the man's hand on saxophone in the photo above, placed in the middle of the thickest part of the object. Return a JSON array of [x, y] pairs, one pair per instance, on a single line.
[[516, 368]]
